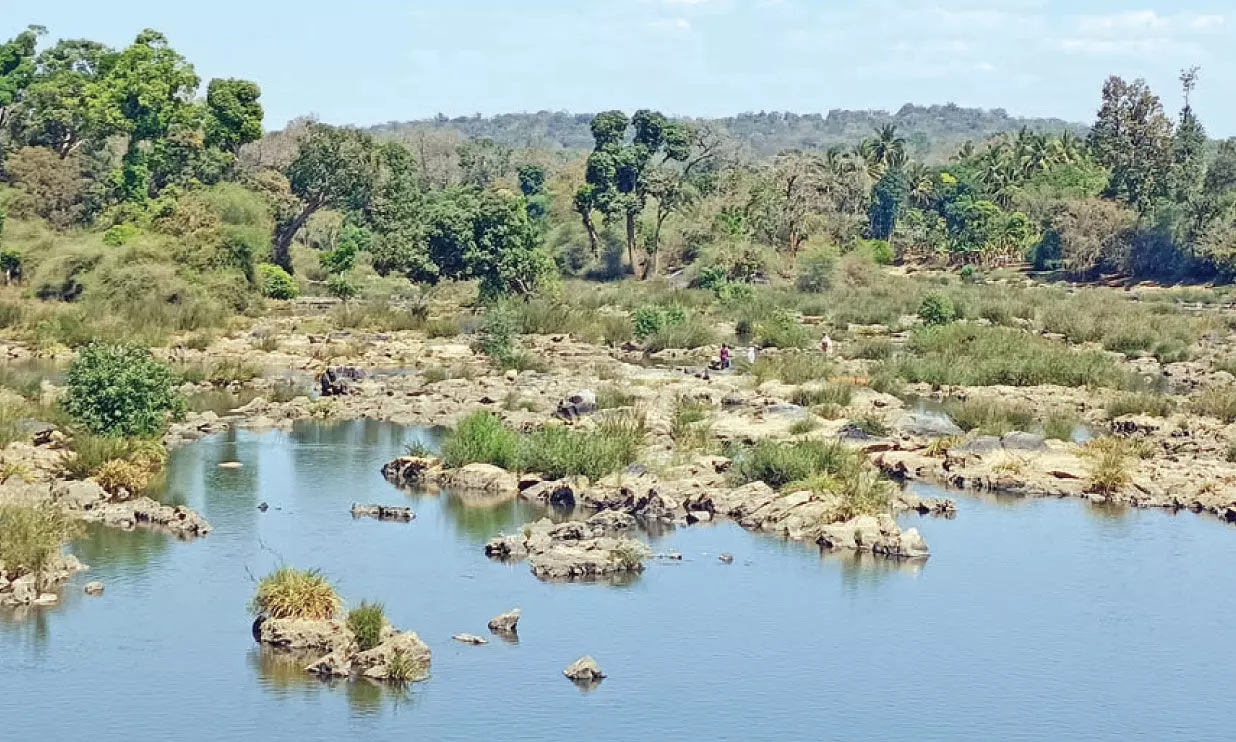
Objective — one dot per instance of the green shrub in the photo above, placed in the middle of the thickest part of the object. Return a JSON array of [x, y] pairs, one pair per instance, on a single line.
[[1141, 403], [481, 438], [117, 390], [648, 321], [988, 416], [778, 464], [1218, 402], [792, 368], [556, 452], [276, 283], [782, 330], [92, 453], [881, 251], [367, 622], [816, 270], [495, 337], [341, 287], [687, 334], [969, 355], [31, 536], [616, 329], [804, 426], [687, 423], [828, 394], [937, 309], [872, 425], [873, 349], [611, 396], [1059, 427], [401, 668], [120, 235], [293, 593]]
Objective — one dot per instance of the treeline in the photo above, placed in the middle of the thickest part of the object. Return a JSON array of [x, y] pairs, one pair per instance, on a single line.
[[933, 133], [129, 185]]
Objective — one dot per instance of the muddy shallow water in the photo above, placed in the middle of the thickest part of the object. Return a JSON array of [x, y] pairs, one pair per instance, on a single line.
[[1033, 620]]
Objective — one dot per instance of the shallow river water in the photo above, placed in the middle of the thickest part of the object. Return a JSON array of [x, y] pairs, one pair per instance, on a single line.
[[1033, 620]]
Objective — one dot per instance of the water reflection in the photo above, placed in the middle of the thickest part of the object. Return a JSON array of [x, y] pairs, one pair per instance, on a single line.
[[111, 550]]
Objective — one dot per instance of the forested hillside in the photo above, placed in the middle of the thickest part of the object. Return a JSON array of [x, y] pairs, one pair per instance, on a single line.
[[933, 133]]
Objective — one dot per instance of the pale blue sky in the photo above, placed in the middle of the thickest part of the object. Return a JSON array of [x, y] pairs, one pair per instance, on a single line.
[[370, 61]]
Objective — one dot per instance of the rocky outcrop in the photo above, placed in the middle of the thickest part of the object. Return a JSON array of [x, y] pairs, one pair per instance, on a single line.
[[413, 471], [143, 511], [24, 588], [506, 623], [576, 550], [400, 655], [879, 535], [339, 381], [94, 588], [585, 670], [577, 404], [480, 478], [383, 512], [939, 507]]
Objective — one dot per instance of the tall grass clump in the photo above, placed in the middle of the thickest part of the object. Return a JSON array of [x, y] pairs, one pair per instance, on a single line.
[[1218, 402], [988, 416], [1140, 403], [481, 438], [1060, 426], [690, 425], [366, 622], [30, 538], [827, 394], [293, 593], [792, 368], [969, 355], [778, 464], [1111, 462], [91, 453], [782, 330]]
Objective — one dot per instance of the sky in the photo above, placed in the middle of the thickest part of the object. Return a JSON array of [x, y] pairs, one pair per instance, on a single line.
[[371, 61]]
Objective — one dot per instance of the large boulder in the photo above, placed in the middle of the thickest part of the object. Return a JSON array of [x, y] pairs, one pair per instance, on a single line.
[[413, 471], [376, 663], [577, 404], [302, 634], [575, 550], [585, 669], [481, 477], [339, 381], [927, 425], [506, 623]]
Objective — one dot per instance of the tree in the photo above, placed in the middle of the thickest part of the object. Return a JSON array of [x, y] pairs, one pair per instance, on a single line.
[[506, 256], [888, 198], [1133, 138], [1189, 160], [532, 185], [62, 110], [883, 151], [17, 69], [1090, 236], [233, 114], [484, 161], [118, 390], [55, 189], [334, 168], [147, 92]]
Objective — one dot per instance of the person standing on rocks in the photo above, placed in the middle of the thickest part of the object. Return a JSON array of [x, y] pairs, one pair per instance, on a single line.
[[751, 355], [725, 356], [826, 345]]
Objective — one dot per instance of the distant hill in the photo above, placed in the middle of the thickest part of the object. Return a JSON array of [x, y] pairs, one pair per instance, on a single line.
[[933, 132]]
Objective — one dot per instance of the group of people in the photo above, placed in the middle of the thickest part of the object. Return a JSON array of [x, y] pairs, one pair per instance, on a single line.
[[826, 347]]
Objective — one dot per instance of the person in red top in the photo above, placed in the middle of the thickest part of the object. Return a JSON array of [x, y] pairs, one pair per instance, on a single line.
[[725, 356]]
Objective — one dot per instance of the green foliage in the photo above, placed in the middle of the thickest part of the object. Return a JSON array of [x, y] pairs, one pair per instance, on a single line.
[[988, 416], [827, 394], [1216, 401], [495, 337], [817, 270], [1140, 403], [121, 391], [293, 593], [481, 438], [342, 287], [937, 309], [276, 283], [234, 114], [778, 464], [648, 321], [367, 622], [781, 329], [119, 235], [30, 537], [792, 368]]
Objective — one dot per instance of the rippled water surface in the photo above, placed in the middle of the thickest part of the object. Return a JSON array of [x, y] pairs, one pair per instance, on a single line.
[[1033, 620]]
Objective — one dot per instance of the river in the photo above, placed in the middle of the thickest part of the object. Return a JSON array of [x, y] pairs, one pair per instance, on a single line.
[[1033, 620]]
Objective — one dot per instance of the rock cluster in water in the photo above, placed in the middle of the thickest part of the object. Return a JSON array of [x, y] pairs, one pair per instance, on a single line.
[[598, 547], [339, 655], [25, 588]]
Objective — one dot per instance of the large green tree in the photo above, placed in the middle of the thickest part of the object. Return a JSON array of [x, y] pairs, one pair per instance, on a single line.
[[1133, 137], [233, 114], [17, 69], [334, 167], [62, 111]]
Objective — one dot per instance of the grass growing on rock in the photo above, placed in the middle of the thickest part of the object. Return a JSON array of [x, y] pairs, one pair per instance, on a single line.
[[1140, 403], [827, 394], [30, 537], [778, 464], [553, 451], [792, 368], [988, 416], [92, 453], [689, 423], [293, 593], [366, 623], [970, 355], [1218, 402]]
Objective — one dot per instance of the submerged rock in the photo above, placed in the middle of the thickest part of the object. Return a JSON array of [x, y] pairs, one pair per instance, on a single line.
[[401, 653], [584, 669], [94, 588], [506, 623], [383, 512], [472, 639]]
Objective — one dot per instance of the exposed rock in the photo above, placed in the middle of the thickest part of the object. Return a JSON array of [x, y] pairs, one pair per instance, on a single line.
[[300, 633], [726, 558], [934, 506], [339, 381], [413, 471], [984, 444], [584, 669], [577, 404], [94, 588], [1019, 441], [481, 477], [573, 550], [382, 512], [879, 535], [376, 662], [506, 623], [470, 639], [47, 599], [83, 495], [180, 520], [928, 425], [24, 589]]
